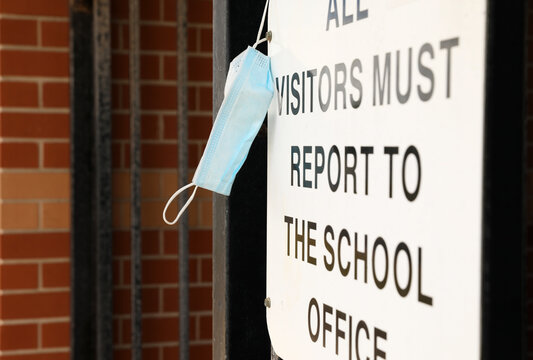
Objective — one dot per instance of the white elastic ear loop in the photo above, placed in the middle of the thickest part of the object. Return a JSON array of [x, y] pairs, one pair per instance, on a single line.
[[184, 207], [257, 41]]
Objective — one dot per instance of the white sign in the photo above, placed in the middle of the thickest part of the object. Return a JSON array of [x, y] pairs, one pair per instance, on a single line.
[[375, 152]]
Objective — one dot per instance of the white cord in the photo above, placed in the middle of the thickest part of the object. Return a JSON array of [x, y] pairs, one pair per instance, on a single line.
[[258, 41], [184, 207]]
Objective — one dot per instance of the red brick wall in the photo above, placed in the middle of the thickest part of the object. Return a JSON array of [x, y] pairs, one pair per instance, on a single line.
[[34, 178]]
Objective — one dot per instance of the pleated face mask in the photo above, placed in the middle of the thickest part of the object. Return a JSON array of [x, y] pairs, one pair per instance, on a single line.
[[247, 95]]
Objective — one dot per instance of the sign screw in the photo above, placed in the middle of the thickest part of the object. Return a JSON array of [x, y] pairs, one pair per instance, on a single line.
[[267, 302], [269, 36]]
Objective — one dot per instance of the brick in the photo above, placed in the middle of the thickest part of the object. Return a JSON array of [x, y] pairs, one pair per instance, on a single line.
[[160, 271], [120, 66], [121, 243], [201, 242], [150, 185], [35, 125], [151, 213], [19, 155], [119, 9], [55, 33], [31, 7], [159, 329], [19, 216], [169, 13], [200, 298], [201, 351], [47, 356], [115, 32], [116, 156], [122, 301], [170, 127], [121, 126], [158, 97], [117, 273], [200, 68], [41, 185], [206, 98], [193, 270], [18, 32], [55, 334], [56, 155], [159, 156], [125, 354], [206, 40], [126, 152], [169, 181], [206, 214], [170, 352], [38, 305], [125, 93], [34, 63], [56, 274], [192, 36], [116, 96], [207, 270], [149, 10], [33, 246], [125, 36], [170, 300], [19, 94], [19, 276], [56, 215], [158, 37], [56, 95], [200, 127], [170, 67], [121, 185], [121, 215], [194, 156], [149, 127], [116, 331], [149, 67], [206, 327], [150, 242], [18, 337], [200, 11]]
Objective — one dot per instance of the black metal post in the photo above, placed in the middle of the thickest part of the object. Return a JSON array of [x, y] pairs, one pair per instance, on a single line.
[[503, 189], [91, 248], [82, 246], [183, 176], [135, 182], [239, 226]]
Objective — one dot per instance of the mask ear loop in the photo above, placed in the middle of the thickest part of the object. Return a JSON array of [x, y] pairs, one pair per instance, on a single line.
[[258, 40], [184, 207]]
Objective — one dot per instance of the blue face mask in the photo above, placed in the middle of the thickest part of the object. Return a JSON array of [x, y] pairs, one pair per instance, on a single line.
[[247, 95]]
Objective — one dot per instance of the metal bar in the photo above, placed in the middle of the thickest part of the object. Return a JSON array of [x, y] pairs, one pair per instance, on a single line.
[[135, 167], [183, 176], [503, 303], [220, 202], [102, 104], [82, 248], [239, 327]]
